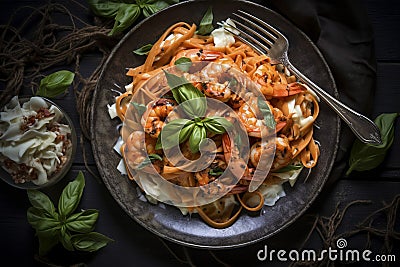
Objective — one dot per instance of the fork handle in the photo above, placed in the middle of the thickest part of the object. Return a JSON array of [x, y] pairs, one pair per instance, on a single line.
[[365, 129]]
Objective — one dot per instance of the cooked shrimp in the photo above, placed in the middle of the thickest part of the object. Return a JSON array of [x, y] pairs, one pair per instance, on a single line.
[[155, 115], [283, 152]]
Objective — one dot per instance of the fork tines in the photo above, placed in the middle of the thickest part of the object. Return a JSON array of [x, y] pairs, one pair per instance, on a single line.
[[253, 31]]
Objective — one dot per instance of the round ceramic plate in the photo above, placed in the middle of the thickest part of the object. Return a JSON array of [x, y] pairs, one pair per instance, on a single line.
[[167, 221]]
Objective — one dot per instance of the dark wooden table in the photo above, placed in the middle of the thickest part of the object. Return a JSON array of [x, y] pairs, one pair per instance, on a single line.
[[135, 246]]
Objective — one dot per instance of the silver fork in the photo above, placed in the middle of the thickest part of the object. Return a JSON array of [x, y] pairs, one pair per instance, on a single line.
[[265, 39]]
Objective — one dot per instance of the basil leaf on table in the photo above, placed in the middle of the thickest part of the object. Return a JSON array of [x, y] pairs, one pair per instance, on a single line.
[[70, 196], [82, 222], [55, 84], [125, 14], [90, 242], [42, 221], [365, 157], [144, 50], [198, 135], [290, 167], [54, 227], [181, 88], [206, 23]]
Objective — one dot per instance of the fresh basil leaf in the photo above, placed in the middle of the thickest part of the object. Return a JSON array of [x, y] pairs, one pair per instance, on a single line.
[[104, 8], [175, 82], [144, 50], [198, 135], [55, 84], [365, 157], [290, 167], [181, 88], [217, 125], [82, 222], [186, 131], [47, 240], [183, 63], [233, 82], [140, 108], [90, 242], [41, 221], [127, 14], [47, 228], [151, 7], [266, 113], [41, 201], [206, 23], [71, 196], [65, 238], [170, 133], [148, 160]]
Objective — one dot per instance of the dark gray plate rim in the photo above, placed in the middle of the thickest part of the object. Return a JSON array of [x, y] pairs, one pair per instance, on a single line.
[[166, 221]]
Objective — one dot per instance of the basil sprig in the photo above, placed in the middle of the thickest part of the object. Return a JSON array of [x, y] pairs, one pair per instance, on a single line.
[[183, 63], [364, 157], [181, 130], [206, 23], [194, 104], [73, 230], [55, 84], [125, 14]]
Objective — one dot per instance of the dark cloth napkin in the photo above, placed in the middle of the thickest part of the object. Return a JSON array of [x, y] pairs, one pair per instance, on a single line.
[[342, 32]]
